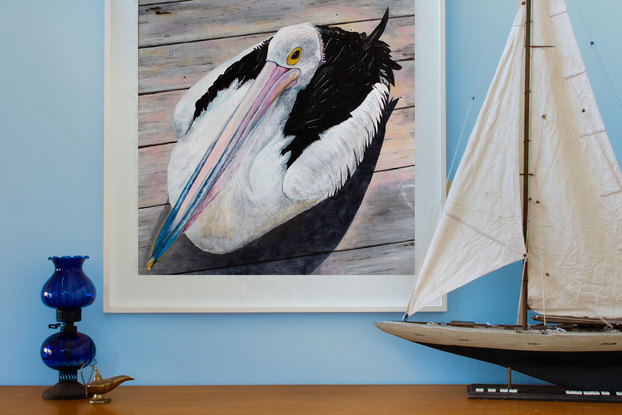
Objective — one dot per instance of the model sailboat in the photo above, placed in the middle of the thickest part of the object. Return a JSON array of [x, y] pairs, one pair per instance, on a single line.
[[538, 183]]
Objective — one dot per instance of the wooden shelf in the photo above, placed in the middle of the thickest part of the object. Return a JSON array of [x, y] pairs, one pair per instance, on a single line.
[[290, 400]]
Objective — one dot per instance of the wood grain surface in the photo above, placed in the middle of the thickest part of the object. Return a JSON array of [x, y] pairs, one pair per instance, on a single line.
[[290, 400], [180, 42]]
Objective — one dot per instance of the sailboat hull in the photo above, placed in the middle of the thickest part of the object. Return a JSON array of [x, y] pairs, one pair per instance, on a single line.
[[579, 360]]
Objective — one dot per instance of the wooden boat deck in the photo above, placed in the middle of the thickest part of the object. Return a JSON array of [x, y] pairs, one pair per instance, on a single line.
[[506, 337], [179, 42]]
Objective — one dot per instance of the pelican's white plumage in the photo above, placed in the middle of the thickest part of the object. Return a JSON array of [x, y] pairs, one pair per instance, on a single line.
[[326, 164], [230, 177]]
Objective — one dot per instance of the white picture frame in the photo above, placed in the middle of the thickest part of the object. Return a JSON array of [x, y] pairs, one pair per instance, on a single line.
[[430, 128], [127, 292]]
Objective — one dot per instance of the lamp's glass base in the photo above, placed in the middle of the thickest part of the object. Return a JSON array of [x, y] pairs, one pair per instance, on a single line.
[[65, 390]]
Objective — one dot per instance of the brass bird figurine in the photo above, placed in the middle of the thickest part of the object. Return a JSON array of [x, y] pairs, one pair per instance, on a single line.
[[99, 386]]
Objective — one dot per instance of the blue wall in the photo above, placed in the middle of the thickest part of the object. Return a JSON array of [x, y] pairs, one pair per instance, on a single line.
[[51, 174]]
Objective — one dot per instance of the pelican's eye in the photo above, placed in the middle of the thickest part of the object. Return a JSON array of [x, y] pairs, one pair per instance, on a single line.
[[294, 56]]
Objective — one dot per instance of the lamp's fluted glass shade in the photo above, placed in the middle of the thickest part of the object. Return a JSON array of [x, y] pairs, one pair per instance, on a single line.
[[68, 287]]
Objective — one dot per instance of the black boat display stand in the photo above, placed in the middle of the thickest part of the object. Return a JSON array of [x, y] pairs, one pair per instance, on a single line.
[[539, 393], [510, 391]]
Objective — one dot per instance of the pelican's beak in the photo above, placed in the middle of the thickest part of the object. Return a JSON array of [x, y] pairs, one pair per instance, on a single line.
[[223, 156]]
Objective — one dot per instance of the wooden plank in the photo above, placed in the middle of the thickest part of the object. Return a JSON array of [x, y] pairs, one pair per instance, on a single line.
[[371, 210], [152, 166], [179, 66], [388, 214], [155, 111], [397, 151], [211, 19], [155, 114], [392, 259]]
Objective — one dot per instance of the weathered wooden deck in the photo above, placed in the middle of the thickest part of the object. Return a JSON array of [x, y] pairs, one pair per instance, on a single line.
[[182, 40]]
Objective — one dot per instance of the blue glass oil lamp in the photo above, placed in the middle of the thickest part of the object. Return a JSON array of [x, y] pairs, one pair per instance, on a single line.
[[67, 290]]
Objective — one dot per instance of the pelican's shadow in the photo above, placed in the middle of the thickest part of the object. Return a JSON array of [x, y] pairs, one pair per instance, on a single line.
[[298, 246]]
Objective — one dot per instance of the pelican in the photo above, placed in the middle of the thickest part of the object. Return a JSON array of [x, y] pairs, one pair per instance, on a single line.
[[271, 133]]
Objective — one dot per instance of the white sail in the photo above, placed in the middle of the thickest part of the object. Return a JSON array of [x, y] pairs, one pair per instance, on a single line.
[[480, 228], [574, 233], [575, 213]]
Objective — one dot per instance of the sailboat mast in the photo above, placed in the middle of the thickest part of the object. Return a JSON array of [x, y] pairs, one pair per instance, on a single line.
[[527, 4]]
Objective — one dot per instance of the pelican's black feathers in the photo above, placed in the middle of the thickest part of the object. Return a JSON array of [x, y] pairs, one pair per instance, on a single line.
[[377, 32], [353, 63], [248, 67]]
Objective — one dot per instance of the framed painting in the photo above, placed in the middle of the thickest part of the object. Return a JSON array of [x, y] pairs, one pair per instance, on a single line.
[[233, 237]]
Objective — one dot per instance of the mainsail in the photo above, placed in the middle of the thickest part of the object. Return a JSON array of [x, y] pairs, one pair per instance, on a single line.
[[575, 199], [575, 218]]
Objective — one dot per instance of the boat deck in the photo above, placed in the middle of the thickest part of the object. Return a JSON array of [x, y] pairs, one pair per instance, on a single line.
[[506, 337]]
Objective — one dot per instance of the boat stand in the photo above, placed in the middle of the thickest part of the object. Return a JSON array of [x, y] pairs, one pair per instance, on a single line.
[[539, 393]]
